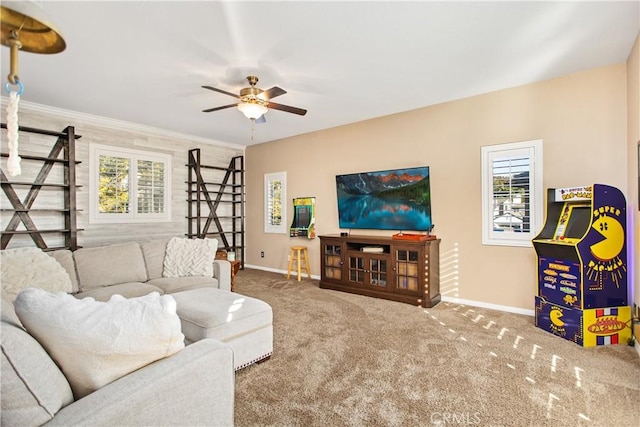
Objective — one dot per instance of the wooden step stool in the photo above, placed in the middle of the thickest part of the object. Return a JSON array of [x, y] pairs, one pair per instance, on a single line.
[[296, 253]]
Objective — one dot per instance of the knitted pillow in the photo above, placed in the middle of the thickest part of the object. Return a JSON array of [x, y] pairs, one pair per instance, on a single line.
[[32, 268], [95, 342], [189, 257]]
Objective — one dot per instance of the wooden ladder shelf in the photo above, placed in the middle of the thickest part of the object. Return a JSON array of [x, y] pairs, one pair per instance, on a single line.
[[21, 209], [216, 205]]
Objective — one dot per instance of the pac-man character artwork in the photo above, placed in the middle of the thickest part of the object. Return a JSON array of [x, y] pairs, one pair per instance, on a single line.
[[588, 328]]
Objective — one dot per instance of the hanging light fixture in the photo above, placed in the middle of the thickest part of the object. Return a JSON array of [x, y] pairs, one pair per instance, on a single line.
[[23, 26], [26, 21], [252, 110], [252, 104]]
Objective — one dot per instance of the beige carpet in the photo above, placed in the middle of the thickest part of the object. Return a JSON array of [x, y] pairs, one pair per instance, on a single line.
[[348, 360]]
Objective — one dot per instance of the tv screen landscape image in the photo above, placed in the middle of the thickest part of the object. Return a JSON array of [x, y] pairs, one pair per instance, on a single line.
[[395, 199]]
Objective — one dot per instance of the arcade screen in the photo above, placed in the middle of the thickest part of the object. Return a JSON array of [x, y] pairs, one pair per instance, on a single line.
[[303, 216], [579, 222]]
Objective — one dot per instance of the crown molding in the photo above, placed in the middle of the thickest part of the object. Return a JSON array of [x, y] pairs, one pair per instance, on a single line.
[[116, 124]]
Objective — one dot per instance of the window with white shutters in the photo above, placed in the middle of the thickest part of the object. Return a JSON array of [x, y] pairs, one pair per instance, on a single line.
[[275, 196], [129, 185], [512, 192]]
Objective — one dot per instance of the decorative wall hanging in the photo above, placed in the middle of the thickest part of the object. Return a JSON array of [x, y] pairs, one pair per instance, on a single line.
[[23, 27]]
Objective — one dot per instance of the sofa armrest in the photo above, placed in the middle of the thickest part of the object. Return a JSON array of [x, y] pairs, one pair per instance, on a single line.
[[192, 387], [222, 272]]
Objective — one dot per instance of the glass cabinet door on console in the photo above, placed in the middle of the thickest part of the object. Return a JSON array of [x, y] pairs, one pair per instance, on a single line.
[[378, 272], [356, 269], [332, 261], [368, 270], [406, 266]]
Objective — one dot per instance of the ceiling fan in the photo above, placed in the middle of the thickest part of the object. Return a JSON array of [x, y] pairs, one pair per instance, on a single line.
[[255, 102]]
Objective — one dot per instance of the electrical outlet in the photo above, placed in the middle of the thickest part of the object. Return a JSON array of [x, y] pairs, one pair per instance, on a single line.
[[261, 254]]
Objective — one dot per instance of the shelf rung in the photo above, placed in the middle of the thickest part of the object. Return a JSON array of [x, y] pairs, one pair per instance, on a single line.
[[34, 184], [226, 193], [217, 216], [41, 158], [213, 201], [44, 184], [39, 210], [220, 168], [213, 183], [39, 231], [42, 131]]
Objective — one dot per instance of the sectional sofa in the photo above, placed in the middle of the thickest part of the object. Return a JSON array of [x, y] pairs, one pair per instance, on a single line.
[[224, 331]]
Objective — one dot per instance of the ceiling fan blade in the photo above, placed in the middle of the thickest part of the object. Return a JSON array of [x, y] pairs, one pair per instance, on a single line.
[[272, 93], [219, 108], [288, 109], [261, 119], [221, 91]]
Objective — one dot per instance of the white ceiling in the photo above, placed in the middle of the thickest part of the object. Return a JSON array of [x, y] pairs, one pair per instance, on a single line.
[[145, 62]]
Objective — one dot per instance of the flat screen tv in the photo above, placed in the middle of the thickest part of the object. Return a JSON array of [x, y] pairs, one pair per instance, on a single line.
[[396, 199]]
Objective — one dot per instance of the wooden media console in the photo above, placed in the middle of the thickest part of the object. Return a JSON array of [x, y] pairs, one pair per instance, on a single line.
[[382, 267]]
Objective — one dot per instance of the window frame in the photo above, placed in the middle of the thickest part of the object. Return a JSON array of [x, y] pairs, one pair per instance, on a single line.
[[95, 216], [269, 227], [533, 151]]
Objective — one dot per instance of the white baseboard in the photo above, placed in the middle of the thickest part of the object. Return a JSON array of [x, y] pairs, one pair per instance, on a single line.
[[284, 272], [498, 307], [447, 299]]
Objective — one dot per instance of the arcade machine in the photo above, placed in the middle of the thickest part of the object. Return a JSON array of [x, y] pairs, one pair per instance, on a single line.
[[303, 224], [582, 266]]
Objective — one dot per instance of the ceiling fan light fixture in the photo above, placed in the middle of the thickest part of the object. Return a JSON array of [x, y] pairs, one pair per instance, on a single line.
[[254, 102], [252, 110]]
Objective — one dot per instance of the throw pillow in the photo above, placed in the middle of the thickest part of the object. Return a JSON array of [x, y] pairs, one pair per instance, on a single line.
[[32, 268], [95, 343], [189, 257]]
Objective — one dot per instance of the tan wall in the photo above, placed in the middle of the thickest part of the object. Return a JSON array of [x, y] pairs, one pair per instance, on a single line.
[[581, 118], [633, 152], [107, 132]]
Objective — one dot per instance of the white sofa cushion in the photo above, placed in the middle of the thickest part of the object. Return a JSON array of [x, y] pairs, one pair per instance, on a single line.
[[189, 257], [96, 342], [32, 268], [153, 253], [223, 315], [110, 265], [127, 290], [65, 258], [33, 388], [170, 285]]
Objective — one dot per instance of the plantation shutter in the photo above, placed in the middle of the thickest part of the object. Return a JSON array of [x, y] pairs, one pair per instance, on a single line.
[[150, 186], [274, 202], [511, 193], [113, 191]]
